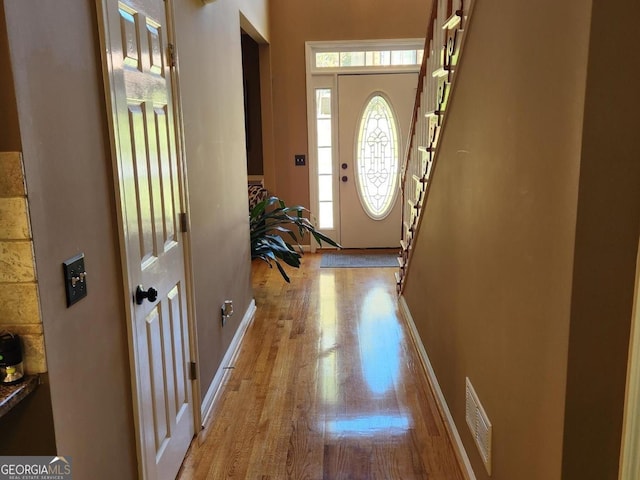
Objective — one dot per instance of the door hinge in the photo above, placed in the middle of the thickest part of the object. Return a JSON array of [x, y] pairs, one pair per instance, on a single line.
[[184, 223], [193, 374], [171, 53]]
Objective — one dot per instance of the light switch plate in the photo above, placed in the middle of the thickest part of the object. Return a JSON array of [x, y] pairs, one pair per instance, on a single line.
[[75, 279]]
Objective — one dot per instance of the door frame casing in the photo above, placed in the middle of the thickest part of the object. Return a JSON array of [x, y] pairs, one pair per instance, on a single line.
[[102, 11], [328, 78]]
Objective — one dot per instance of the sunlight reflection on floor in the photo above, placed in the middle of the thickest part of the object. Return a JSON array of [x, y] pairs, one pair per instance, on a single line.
[[379, 340], [369, 425]]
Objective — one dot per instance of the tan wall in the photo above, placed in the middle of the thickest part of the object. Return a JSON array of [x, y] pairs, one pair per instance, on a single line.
[[293, 23], [210, 62], [490, 286], [60, 105], [606, 246]]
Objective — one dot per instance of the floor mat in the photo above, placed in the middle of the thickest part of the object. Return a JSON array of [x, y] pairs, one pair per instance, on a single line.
[[358, 260]]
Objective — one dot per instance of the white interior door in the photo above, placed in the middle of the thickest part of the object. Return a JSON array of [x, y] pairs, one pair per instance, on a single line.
[[139, 87], [374, 115]]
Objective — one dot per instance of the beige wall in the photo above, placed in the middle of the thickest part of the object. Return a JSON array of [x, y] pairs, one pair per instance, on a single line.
[[210, 63], [608, 223], [58, 86], [524, 269], [490, 286], [293, 23]]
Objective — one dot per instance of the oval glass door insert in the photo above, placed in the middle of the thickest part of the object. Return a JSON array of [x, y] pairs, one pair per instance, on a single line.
[[377, 158]]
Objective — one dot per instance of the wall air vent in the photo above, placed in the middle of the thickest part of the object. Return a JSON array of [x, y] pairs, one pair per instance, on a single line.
[[479, 425]]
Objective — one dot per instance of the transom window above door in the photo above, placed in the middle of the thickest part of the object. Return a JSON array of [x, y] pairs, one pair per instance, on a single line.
[[370, 58], [364, 56]]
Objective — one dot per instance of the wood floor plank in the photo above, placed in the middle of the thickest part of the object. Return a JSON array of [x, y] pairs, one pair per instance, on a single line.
[[327, 385]]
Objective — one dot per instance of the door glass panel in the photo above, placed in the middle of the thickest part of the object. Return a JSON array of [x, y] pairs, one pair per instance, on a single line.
[[324, 161], [368, 58], [325, 158], [403, 57], [352, 59], [327, 59], [377, 158], [324, 132], [378, 58], [325, 188], [325, 215]]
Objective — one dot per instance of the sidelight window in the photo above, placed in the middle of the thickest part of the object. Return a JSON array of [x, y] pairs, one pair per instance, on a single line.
[[325, 157]]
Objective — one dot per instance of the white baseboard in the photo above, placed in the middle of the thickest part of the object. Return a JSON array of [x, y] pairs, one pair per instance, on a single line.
[[228, 359], [442, 403]]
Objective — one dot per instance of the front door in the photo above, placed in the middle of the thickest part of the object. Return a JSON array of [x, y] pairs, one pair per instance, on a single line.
[[374, 114], [149, 192]]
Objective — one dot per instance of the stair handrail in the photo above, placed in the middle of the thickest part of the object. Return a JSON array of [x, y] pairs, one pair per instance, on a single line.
[[416, 103], [463, 11]]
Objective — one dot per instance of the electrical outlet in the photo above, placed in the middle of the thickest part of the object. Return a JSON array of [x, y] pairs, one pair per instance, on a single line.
[[300, 159], [227, 311]]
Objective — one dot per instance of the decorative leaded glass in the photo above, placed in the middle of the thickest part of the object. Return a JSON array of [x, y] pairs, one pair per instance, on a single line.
[[377, 158]]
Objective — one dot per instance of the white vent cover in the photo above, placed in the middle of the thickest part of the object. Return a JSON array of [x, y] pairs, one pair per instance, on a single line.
[[479, 424]]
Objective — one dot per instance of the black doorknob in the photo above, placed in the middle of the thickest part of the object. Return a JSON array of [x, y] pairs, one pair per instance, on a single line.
[[150, 294]]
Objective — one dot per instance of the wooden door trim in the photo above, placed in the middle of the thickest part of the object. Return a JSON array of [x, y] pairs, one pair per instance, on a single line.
[[108, 75]]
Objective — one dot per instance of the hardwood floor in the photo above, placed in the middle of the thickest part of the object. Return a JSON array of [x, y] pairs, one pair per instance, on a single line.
[[327, 385]]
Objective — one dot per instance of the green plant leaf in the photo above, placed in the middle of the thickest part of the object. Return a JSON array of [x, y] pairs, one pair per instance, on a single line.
[[268, 221]]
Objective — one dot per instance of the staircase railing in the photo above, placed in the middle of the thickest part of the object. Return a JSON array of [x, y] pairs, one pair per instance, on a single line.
[[443, 46]]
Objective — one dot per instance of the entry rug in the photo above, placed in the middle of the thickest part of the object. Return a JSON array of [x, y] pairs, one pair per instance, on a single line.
[[358, 260]]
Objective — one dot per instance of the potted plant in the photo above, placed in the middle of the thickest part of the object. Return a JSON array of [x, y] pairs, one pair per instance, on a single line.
[[270, 222]]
